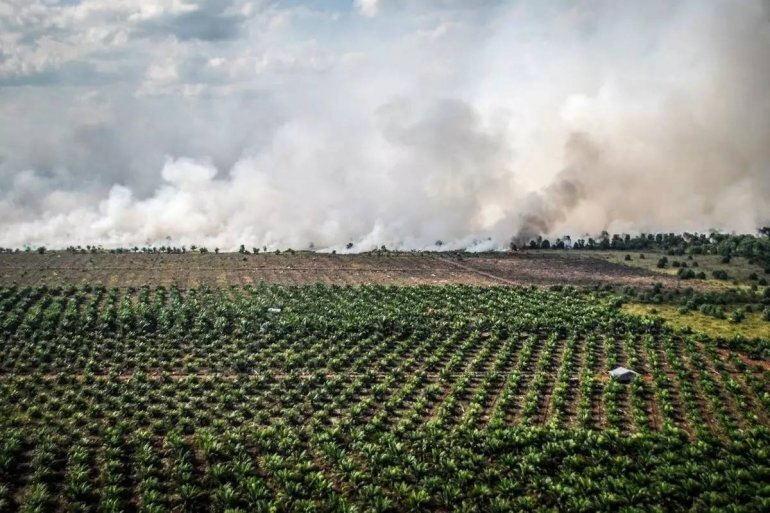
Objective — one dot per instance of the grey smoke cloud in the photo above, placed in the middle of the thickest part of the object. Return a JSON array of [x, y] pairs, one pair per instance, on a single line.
[[389, 122]]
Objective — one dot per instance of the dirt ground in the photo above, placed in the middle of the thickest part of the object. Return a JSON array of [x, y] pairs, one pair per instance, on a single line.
[[192, 269]]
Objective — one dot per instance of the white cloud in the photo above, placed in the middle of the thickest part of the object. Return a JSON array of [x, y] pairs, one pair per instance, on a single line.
[[368, 7]]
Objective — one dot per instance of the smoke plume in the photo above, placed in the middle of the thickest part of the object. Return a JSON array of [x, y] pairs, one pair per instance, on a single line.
[[389, 122]]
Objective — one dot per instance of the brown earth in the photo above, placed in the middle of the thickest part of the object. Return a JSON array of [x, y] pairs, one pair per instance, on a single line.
[[193, 269]]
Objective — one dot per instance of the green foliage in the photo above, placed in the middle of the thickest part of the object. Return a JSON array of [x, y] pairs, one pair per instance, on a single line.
[[737, 315], [371, 398], [720, 274]]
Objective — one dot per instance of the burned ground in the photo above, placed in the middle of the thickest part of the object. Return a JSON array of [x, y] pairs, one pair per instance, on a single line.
[[190, 270]]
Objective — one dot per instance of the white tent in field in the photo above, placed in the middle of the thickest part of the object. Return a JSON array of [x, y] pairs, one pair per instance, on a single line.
[[622, 374]]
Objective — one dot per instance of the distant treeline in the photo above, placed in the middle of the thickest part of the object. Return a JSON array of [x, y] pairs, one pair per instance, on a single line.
[[756, 247]]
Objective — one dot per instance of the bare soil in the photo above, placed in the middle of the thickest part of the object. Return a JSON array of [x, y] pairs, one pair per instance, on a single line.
[[193, 269]]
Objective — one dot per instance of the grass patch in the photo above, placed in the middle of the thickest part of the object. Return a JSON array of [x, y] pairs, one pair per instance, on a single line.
[[739, 270], [752, 327]]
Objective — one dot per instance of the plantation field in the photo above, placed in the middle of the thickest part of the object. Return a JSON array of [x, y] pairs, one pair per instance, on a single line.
[[369, 398], [61, 268]]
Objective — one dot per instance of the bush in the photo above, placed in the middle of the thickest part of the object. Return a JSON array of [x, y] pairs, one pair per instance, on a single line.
[[662, 262], [641, 257], [685, 274], [753, 276], [712, 310], [627, 257], [675, 263], [701, 275], [763, 282], [726, 259], [767, 314], [720, 275], [694, 264], [737, 315]]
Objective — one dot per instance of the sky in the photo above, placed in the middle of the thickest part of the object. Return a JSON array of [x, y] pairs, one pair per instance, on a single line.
[[286, 123]]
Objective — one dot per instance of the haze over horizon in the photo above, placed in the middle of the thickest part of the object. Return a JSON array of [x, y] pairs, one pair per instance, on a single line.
[[399, 122]]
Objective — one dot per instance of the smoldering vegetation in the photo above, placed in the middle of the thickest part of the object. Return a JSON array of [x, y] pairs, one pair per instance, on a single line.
[[415, 123]]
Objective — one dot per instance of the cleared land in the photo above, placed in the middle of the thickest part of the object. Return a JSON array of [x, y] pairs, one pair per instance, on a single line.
[[739, 270], [192, 269]]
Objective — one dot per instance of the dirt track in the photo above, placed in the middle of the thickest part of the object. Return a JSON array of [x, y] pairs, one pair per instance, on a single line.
[[189, 270]]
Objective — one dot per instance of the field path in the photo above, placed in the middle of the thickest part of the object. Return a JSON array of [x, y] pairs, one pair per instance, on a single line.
[[478, 271]]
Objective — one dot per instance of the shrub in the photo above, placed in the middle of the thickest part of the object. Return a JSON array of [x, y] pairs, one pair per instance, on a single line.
[[737, 315], [627, 257], [763, 282], [675, 263], [641, 257], [720, 275], [753, 276], [662, 262], [726, 259], [701, 275], [712, 310]]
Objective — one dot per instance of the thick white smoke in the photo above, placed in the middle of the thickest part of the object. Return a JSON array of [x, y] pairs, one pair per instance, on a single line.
[[397, 123]]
